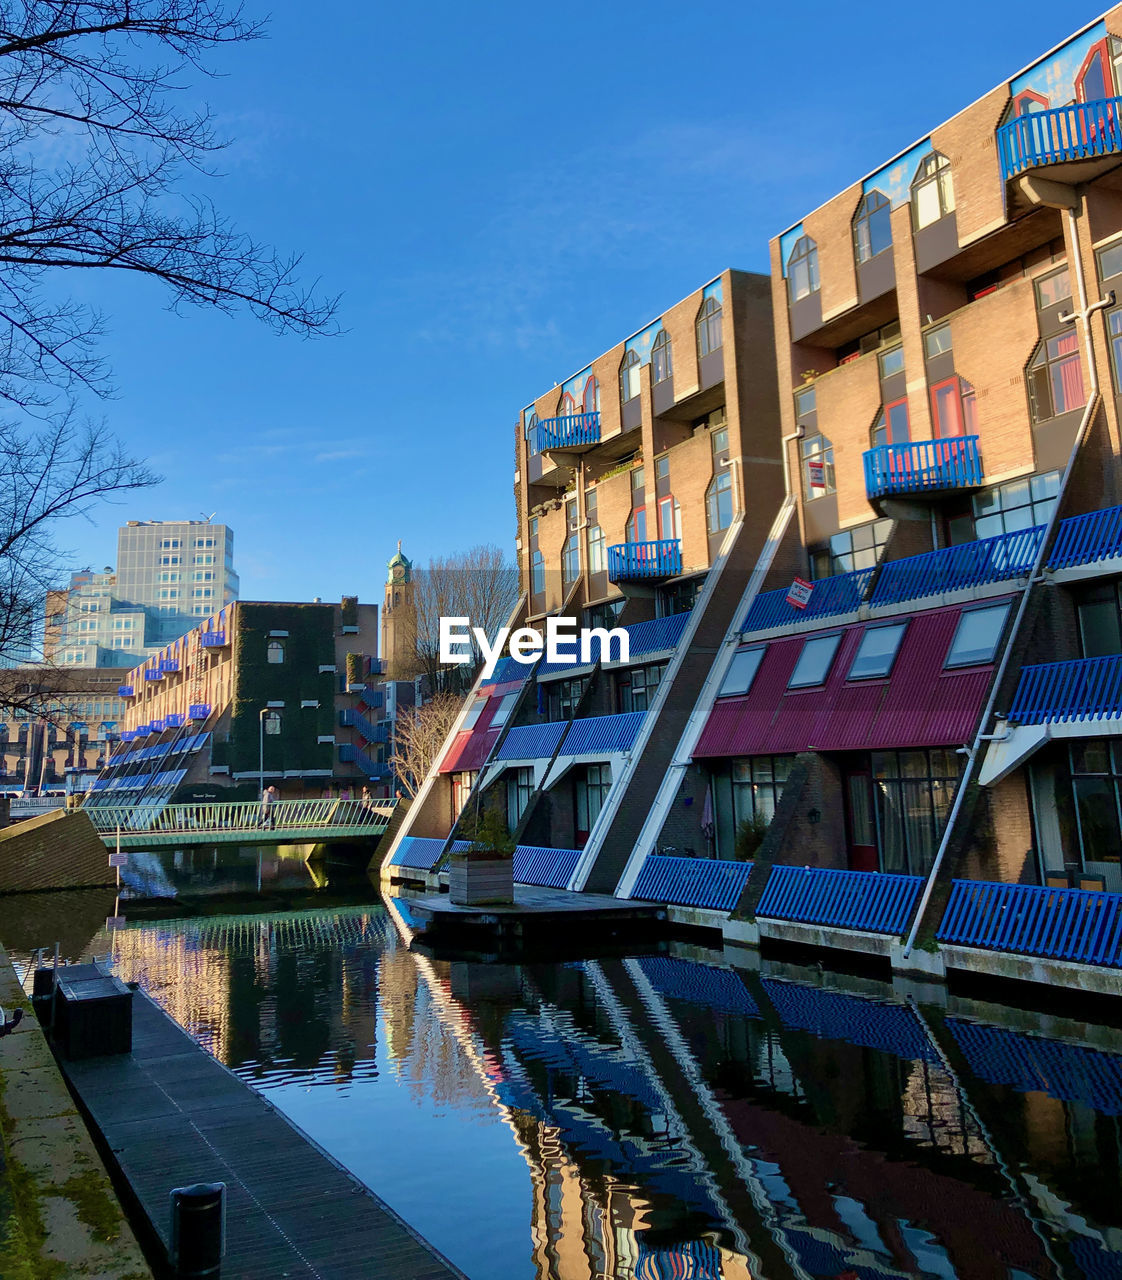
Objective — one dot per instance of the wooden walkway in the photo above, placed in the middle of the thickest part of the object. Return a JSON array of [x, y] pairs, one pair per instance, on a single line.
[[173, 1115]]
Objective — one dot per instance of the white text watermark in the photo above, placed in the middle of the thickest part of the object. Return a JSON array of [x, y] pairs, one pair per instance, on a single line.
[[561, 641]]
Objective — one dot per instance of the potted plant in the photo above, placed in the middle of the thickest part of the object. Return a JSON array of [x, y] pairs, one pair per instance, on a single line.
[[483, 873]]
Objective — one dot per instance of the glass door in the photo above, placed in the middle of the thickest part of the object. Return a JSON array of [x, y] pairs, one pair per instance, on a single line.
[[861, 830]]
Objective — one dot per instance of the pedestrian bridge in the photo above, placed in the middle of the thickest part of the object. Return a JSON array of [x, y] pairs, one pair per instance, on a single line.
[[288, 822]]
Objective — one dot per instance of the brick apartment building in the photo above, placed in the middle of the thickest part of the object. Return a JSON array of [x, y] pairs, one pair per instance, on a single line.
[[936, 723]]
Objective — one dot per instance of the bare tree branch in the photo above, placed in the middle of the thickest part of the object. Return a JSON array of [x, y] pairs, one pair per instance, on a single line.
[[418, 737]]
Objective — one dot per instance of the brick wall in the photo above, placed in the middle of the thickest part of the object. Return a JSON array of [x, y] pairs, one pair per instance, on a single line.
[[57, 850]]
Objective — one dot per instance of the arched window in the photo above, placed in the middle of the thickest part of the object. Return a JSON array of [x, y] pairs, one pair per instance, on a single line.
[[566, 405], [1055, 378], [662, 363], [532, 443], [872, 228], [1028, 101], [274, 652], [591, 395], [802, 269], [932, 190], [272, 723], [537, 573], [709, 327], [1093, 82], [629, 377]]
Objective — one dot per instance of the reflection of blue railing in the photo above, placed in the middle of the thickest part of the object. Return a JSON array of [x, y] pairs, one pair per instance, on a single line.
[[836, 1015], [954, 463], [1031, 1064], [1097, 535], [692, 882], [1080, 689], [1078, 131], [1009, 555], [842, 593], [871, 901], [632, 561], [676, 979], [1060, 924]]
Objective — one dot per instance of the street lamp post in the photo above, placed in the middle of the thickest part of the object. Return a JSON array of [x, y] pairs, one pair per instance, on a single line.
[[261, 751]]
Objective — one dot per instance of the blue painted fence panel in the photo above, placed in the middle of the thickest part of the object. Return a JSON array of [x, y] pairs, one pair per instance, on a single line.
[[629, 561], [596, 734], [829, 597], [1031, 1064], [1075, 132], [573, 430], [1080, 689], [422, 853], [1084, 539], [532, 741], [1009, 555], [547, 868], [1033, 920], [692, 882], [870, 901], [954, 463]]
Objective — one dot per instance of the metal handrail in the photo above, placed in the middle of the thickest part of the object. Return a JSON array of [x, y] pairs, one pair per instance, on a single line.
[[1078, 131], [1078, 689], [661, 558], [951, 463], [283, 815]]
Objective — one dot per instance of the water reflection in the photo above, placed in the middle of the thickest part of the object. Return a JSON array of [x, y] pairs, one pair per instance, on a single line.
[[661, 1116]]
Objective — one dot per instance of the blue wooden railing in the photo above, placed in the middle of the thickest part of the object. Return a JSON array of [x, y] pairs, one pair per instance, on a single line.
[[1080, 689], [692, 882], [571, 431], [169, 664], [532, 741], [1075, 132], [1088, 538], [629, 561], [1009, 555], [842, 593], [212, 639], [595, 735], [546, 868], [1058, 924], [198, 710], [867, 900], [126, 691], [955, 463]]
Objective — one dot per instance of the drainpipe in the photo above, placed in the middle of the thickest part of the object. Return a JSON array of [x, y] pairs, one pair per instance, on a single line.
[[981, 737]]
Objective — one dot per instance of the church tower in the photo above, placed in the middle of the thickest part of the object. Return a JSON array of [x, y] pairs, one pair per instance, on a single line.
[[398, 619]]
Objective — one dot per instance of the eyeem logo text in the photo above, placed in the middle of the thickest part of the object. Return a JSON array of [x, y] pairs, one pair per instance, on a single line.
[[561, 641]]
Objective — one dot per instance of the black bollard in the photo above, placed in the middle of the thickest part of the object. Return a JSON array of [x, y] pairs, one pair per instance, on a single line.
[[198, 1229]]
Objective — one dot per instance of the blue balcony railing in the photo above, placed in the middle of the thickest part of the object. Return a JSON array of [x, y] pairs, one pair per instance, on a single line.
[[153, 675], [1079, 131], [1059, 924], [169, 664], [573, 431], [1080, 689], [1009, 555], [544, 867], [126, 691], [1088, 538], [924, 466], [692, 882], [634, 561], [176, 720], [842, 593], [866, 900], [596, 735], [212, 639], [198, 710]]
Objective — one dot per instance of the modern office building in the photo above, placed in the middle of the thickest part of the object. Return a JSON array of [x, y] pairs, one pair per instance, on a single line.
[[917, 740], [288, 692], [170, 574]]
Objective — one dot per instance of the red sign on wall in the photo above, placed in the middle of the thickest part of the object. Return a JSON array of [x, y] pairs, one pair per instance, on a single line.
[[799, 595]]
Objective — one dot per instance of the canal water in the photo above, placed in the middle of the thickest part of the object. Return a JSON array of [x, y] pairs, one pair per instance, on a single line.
[[655, 1116]]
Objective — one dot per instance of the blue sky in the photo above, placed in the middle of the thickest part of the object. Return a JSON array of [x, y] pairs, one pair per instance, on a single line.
[[500, 193]]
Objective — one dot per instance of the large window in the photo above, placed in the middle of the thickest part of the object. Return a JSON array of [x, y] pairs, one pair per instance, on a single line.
[[1020, 504], [1053, 289], [709, 327], [629, 377], [564, 695], [597, 549], [1100, 620], [637, 686], [976, 636], [742, 671], [1114, 329], [594, 782], [1096, 783], [818, 466], [954, 410], [718, 502], [852, 549], [877, 652], [914, 791], [1055, 378], [662, 358], [802, 269], [519, 789], [872, 228], [932, 190], [814, 662], [503, 710], [591, 400], [537, 573], [570, 554], [891, 426], [757, 784], [637, 521]]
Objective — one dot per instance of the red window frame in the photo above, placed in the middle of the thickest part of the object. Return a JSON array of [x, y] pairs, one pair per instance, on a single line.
[[665, 504], [591, 394], [1021, 101], [888, 408], [938, 426], [1100, 50], [632, 525]]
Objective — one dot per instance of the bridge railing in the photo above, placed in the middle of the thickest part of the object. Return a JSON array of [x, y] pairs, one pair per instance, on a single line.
[[283, 815]]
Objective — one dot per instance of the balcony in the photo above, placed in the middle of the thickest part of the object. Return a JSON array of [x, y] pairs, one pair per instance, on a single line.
[[645, 561], [212, 639], [1087, 539], [971, 564], [1084, 135], [176, 720], [925, 467], [153, 675], [1064, 692], [126, 691], [573, 432], [829, 598], [169, 664], [198, 710]]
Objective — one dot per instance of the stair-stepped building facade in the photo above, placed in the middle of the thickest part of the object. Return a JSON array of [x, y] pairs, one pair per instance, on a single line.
[[916, 752]]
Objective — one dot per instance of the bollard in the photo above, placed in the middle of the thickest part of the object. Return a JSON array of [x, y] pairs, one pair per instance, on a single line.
[[198, 1229]]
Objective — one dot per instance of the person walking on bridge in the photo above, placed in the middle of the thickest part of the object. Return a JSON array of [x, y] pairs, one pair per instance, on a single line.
[[268, 797]]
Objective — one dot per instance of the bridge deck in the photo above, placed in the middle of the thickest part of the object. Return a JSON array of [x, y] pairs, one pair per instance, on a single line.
[[159, 838], [172, 1115]]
